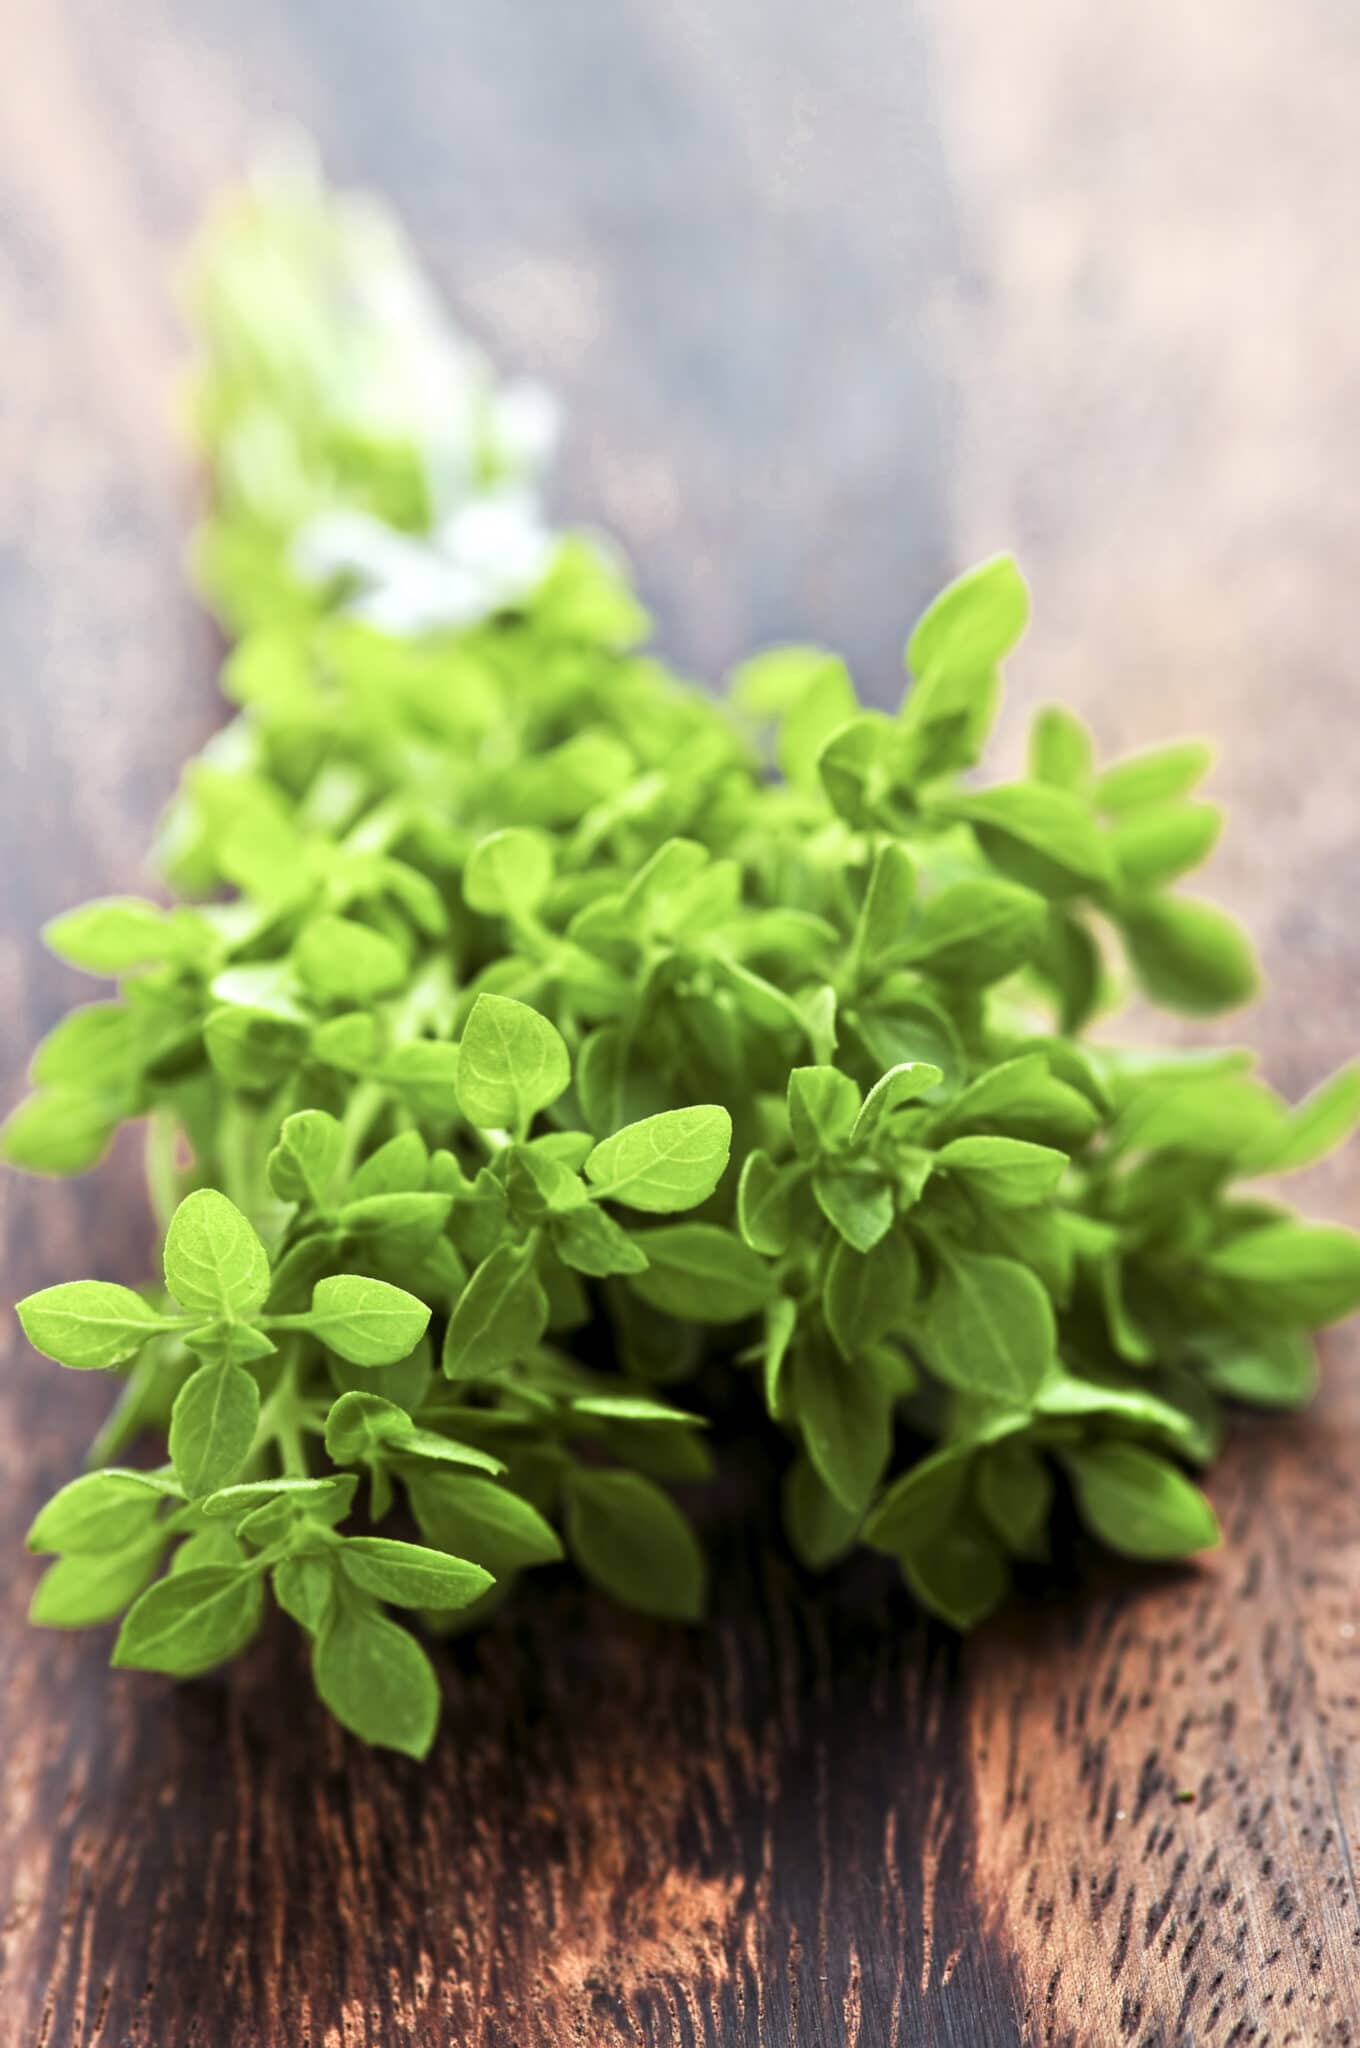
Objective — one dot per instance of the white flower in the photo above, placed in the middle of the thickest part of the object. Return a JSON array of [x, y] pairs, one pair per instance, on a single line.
[[322, 298], [488, 554]]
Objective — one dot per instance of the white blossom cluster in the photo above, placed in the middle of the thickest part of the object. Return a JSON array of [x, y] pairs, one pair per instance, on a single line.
[[327, 333]]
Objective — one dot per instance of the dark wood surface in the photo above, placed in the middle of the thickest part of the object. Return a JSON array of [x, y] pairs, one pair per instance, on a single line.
[[838, 299]]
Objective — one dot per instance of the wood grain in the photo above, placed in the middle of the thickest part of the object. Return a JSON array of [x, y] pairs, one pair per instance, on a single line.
[[837, 299]]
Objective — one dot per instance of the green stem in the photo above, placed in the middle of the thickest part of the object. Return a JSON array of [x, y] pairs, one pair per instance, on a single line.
[[281, 1421], [364, 1105], [163, 1176], [234, 1155]]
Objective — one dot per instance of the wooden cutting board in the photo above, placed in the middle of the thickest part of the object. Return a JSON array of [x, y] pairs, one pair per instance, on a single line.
[[838, 299]]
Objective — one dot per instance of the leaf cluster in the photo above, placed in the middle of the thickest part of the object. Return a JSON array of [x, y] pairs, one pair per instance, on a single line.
[[531, 1031]]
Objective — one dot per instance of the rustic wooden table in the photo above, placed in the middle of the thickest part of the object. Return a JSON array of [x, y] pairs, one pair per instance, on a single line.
[[838, 299]]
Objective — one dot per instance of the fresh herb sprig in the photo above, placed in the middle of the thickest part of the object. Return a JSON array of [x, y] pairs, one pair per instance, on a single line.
[[521, 1044]]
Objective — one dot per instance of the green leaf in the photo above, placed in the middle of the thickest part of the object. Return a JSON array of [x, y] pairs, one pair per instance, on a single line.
[[407, 1383], [1159, 775], [540, 1186], [1063, 1395], [499, 1318], [1070, 961], [823, 704], [402, 1225], [1023, 1099], [192, 1620], [977, 932], [304, 1587], [899, 1031], [860, 770], [112, 935], [362, 1425], [253, 1050], [631, 1539], [1138, 1503], [765, 1204], [1189, 955], [424, 1073], [400, 1167], [904, 1083], [1060, 749], [1292, 1273], [1037, 1239], [866, 1296], [962, 1576], [823, 1105], [1270, 1369], [1009, 1171], [226, 1343], [1216, 1116], [884, 915], [615, 1082], [341, 961], [99, 1511], [820, 1529], [97, 1046], [214, 1545], [429, 1446], [83, 1590], [766, 684], [846, 1420], [409, 1575], [509, 872], [973, 622], [1127, 1335], [701, 1273], [349, 1042], [472, 1517], [511, 1064], [989, 1328], [662, 884], [88, 1323], [773, 1353], [59, 1131], [591, 1242], [368, 1322], [921, 1503], [1045, 838], [809, 691], [1154, 847], [1014, 1490], [664, 1163], [212, 1427], [376, 1679], [1319, 1124], [359, 1424], [213, 1259], [325, 1500], [303, 1164], [858, 1201], [634, 1408]]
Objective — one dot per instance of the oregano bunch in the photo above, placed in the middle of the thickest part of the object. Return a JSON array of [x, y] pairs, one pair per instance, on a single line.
[[537, 1047]]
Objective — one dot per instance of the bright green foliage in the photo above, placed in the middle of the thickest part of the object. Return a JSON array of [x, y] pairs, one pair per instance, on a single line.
[[521, 1045], [89, 1323], [666, 1162], [192, 1620], [630, 1537], [368, 1322], [213, 1259], [511, 1064]]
